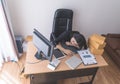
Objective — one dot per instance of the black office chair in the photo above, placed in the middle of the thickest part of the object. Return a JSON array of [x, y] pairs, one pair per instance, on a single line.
[[62, 23]]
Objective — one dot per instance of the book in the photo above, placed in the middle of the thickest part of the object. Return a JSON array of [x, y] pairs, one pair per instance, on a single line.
[[73, 62], [58, 54]]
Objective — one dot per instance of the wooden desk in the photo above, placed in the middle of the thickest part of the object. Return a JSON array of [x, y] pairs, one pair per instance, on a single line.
[[39, 72]]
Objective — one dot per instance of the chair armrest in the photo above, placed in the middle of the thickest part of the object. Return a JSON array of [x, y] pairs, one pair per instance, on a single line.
[[109, 35], [58, 39], [53, 39], [53, 36]]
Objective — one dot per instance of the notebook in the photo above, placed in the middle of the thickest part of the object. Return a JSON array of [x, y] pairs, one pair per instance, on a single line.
[[73, 62], [58, 54]]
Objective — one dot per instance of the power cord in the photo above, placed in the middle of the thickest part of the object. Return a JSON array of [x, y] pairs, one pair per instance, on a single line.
[[34, 62], [20, 70]]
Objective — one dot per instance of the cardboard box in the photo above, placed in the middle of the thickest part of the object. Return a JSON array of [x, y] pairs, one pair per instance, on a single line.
[[96, 51], [95, 44], [98, 38], [28, 38]]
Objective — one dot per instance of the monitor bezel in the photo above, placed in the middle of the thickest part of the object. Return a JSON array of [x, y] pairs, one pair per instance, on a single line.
[[47, 42]]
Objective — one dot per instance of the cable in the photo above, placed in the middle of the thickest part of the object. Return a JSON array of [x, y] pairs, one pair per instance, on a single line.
[[21, 69], [34, 62]]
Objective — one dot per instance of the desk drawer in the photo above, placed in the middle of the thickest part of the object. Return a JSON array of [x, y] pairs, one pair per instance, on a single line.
[[54, 76], [42, 79]]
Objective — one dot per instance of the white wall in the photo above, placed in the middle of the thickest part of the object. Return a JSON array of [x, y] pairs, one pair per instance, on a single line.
[[90, 16]]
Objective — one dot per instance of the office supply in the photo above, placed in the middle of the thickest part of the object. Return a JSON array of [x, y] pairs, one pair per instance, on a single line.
[[73, 62], [58, 54], [53, 65], [87, 57], [39, 73], [43, 45]]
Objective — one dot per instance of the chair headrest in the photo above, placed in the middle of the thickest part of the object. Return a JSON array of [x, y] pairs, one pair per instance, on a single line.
[[64, 13]]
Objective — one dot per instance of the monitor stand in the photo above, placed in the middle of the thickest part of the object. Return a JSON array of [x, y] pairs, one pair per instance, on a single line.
[[39, 55]]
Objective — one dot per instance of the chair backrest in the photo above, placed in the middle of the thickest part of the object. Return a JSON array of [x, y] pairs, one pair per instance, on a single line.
[[62, 21]]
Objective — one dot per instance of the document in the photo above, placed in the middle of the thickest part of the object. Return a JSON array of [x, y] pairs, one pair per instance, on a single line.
[[87, 57]]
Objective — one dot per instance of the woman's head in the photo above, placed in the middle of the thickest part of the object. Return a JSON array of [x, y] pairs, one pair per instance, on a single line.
[[74, 42], [78, 40]]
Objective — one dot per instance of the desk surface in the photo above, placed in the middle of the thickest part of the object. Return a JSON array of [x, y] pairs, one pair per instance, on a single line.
[[41, 67]]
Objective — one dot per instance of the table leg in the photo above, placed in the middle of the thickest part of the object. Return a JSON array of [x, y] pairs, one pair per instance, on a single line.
[[93, 76]]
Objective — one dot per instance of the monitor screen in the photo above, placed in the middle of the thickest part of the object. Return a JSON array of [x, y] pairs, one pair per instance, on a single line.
[[43, 45]]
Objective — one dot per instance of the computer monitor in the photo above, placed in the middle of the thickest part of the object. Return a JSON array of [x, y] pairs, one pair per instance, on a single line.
[[43, 45]]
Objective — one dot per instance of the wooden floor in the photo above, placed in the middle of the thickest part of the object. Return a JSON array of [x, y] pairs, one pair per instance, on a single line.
[[10, 74]]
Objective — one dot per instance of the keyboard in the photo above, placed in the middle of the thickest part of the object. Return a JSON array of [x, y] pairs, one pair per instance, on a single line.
[[73, 62]]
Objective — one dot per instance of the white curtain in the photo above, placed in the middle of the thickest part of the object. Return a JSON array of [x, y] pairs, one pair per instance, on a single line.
[[8, 49]]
